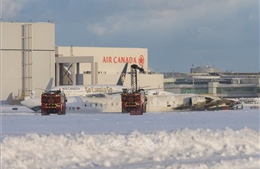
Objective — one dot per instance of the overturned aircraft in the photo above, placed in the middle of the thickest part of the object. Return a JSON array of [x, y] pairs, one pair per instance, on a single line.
[[157, 101]]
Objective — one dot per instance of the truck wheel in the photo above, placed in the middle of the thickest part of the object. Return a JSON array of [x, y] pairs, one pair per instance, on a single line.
[[63, 112], [144, 108], [59, 112], [44, 114]]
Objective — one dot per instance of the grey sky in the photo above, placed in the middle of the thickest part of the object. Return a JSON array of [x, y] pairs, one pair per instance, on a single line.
[[177, 33]]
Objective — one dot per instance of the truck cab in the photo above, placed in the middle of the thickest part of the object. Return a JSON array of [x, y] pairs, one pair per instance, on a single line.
[[134, 102], [53, 102]]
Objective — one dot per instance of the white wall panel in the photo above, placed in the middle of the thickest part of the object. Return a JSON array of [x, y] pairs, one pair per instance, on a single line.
[[11, 67], [11, 35], [43, 36], [42, 70]]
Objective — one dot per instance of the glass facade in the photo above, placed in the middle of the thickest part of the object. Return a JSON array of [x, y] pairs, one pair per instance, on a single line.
[[244, 91], [237, 90], [200, 90]]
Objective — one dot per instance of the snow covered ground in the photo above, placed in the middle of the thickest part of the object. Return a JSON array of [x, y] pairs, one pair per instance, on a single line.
[[183, 140]]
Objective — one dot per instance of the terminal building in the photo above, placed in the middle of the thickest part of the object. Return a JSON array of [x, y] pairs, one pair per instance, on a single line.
[[30, 60], [211, 80]]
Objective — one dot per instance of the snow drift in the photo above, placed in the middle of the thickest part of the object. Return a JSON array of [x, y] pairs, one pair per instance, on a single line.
[[183, 148]]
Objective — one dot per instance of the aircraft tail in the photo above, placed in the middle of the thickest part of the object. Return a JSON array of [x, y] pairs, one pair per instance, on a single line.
[[49, 85], [121, 79], [9, 99]]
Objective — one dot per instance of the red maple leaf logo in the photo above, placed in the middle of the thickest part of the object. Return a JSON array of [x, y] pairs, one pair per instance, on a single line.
[[141, 60]]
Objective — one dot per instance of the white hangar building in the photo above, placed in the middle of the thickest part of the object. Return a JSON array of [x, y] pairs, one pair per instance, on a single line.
[[27, 53], [30, 60]]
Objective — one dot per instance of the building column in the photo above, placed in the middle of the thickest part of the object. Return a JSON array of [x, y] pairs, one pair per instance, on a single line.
[[92, 73], [96, 73], [212, 88], [77, 75], [57, 74], [74, 73]]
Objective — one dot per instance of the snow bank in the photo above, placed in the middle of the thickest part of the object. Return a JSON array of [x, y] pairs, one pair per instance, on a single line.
[[185, 148], [10, 110]]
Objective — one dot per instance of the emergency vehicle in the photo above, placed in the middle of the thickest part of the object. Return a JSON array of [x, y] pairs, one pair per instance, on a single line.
[[53, 102], [134, 101]]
